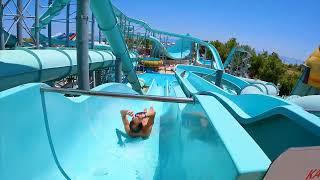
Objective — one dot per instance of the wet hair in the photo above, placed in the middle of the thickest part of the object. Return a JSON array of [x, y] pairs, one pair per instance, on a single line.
[[136, 129]]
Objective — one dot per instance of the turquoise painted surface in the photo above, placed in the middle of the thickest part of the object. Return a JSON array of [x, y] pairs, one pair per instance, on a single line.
[[258, 113], [161, 79], [54, 137], [211, 48], [25, 65], [106, 18], [303, 89], [181, 50], [196, 144], [83, 134], [228, 80]]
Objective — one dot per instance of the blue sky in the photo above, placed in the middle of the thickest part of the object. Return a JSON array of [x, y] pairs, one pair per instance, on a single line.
[[288, 27]]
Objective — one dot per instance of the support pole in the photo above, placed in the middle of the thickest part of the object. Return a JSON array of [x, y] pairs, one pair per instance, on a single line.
[[205, 53], [97, 77], [36, 9], [68, 25], [92, 31], [99, 36], [146, 43], [118, 70], [93, 73], [19, 23], [218, 78], [181, 51], [49, 28], [197, 54], [1, 27], [82, 44]]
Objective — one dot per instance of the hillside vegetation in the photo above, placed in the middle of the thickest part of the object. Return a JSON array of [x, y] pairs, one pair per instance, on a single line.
[[264, 65]]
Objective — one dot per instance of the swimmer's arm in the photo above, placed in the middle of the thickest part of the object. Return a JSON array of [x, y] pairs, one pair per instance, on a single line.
[[150, 114], [125, 121]]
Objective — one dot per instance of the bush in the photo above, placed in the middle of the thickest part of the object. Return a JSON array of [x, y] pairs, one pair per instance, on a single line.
[[287, 83], [264, 66]]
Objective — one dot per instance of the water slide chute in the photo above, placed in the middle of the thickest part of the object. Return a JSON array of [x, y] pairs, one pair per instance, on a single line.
[[180, 50], [103, 11], [309, 81], [218, 65], [259, 115]]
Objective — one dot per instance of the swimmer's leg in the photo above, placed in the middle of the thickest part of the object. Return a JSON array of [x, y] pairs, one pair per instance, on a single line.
[[119, 135]]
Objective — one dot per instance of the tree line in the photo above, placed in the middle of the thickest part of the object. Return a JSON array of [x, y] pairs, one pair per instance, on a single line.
[[264, 65]]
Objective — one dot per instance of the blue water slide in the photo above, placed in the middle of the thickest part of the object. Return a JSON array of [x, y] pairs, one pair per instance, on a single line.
[[24, 65], [228, 81], [304, 95], [309, 103], [180, 50], [115, 38], [274, 123], [103, 11], [218, 65], [207, 62], [53, 11], [83, 138], [302, 88], [267, 87], [54, 137]]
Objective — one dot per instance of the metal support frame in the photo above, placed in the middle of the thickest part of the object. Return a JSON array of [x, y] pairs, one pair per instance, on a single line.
[[36, 27], [181, 49], [2, 46], [118, 65], [82, 44], [205, 53], [19, 23], [68, 25], [219, 74], [49, 28], [92, 73], [118, 95], [146, 43], [97, 77], [197, 53], [92, 31], [99, 36]]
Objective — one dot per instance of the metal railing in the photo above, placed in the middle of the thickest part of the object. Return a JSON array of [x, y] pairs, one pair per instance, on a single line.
[[118, 95]]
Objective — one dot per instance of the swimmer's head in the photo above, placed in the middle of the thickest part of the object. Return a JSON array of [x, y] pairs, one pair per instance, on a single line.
[[136, 122], [135, 125]]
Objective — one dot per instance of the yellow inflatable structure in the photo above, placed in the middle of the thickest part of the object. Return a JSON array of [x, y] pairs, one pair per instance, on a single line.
[[152, 63], [313, 62]]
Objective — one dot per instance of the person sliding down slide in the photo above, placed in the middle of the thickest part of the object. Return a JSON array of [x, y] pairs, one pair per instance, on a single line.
[[141, 123]]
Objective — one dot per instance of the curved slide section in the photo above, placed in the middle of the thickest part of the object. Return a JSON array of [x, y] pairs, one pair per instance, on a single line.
[[82, 138], [302, 88], [103, 11], [267, 87], [309, 103], [181, 50], [73, 138], [239, 85], [275, 124], [53, 11], [229, 81], [45, 65], [217, 59]]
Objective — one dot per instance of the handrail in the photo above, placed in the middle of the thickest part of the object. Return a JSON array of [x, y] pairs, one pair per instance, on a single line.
[[117, 95]]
